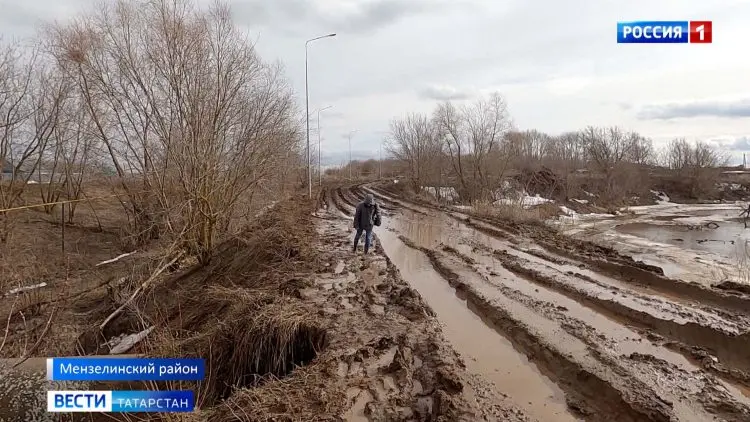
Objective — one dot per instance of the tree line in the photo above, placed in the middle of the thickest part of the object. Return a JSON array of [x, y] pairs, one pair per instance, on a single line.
[[171, 97], [473, 147]]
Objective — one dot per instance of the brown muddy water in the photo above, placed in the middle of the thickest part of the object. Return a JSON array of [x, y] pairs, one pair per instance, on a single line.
[[485, 350], [729, 240]]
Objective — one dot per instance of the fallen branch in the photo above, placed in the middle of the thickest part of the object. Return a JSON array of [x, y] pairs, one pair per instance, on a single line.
[[31, 351], [129, 341], [115, 259], [137, 291], [26, 288], [7, 324]]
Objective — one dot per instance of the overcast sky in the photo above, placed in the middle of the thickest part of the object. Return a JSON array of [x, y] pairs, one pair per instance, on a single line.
[[556, 62]]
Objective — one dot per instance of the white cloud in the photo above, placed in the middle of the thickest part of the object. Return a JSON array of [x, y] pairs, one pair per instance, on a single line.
[[445, 93]]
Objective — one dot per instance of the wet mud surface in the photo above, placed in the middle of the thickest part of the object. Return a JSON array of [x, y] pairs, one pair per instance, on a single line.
[[392, 355], [564, 329]]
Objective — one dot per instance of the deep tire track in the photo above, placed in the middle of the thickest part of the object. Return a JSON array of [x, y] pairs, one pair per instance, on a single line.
[[586, 388]]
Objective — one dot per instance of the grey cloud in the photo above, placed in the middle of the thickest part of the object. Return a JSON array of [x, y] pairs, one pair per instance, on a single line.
[[444, 93], [741, 143], [336, 158], [21, 19], [297, 16], [728, 109]]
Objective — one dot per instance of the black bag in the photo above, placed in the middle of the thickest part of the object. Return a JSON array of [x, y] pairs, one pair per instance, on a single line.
[[376, 217]]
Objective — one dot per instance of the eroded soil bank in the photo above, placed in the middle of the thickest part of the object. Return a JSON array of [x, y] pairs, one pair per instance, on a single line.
[[585, 329]]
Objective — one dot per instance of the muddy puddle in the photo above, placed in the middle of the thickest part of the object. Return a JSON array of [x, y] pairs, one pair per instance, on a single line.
[[729, 240], [485, 351]]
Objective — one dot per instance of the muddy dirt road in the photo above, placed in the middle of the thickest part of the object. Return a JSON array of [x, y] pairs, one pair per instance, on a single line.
[[563, 329]]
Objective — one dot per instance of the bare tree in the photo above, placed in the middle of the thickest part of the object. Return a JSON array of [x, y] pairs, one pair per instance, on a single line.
[[26, 117], [609, 149], [449, 126], [193, 121], [642, 150], [472, 134], [413, 141], [50, 95], [695, 164], [566, 154], [678, 154], [531, 147]]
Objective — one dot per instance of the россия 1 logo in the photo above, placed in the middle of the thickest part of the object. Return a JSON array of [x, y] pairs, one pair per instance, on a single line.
[[664, 32]]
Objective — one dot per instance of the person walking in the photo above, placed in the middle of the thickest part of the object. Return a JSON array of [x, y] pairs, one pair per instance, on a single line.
[[366, 217]]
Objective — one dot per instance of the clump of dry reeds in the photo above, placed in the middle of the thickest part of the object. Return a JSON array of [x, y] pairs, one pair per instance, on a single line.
[[516, 212], [308, 396], [254, 335]]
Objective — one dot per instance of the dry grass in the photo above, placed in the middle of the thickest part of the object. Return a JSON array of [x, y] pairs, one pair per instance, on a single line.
[[516, 212], [246, 337], [307, 396], [241, 314]]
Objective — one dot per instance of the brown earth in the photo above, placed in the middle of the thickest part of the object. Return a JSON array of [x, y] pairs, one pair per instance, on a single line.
[[618, 339], [293, 325]]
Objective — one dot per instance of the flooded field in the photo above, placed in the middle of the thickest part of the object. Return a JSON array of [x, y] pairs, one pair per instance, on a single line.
[[730, 239], [697, 243], [534, 312]]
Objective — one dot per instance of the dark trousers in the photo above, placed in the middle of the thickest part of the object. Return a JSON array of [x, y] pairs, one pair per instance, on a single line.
[[368, 239]]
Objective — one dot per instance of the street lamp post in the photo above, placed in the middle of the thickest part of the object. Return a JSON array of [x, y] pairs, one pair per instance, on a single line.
[[307, 114], [380, 161], [380, 154], [320, 174], [351, 134]]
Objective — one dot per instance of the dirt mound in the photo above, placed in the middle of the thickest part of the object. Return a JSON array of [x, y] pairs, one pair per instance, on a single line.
[[542, 182]]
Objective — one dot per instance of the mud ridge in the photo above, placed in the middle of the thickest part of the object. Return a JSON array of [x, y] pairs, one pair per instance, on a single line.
[[346, 200], [712, 395], [391, 199], [706, 360], [359, 192], [340, 204], [583, 387], [726, 346], [609, 262]]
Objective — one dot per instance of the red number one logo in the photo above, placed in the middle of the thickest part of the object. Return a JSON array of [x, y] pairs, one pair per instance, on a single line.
[[700, 32]]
